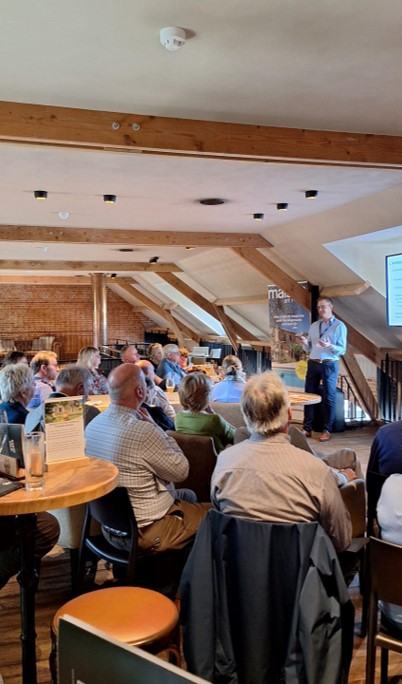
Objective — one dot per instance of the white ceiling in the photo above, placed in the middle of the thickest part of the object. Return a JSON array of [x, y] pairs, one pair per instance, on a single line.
[[319, 64]]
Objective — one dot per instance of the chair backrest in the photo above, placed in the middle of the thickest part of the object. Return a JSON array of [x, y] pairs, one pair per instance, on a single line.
[[299, 440], [201, 454], [114, 510], [354, 497], [385, 570], [230, 411], [241, 434], [374, 484]]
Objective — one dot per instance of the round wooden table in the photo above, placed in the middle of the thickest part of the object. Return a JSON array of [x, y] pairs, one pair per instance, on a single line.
[[303, 398], [67, 483]]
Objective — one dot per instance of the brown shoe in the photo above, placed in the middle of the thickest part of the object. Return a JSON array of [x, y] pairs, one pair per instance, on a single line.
[[325, 437], [306, 433]]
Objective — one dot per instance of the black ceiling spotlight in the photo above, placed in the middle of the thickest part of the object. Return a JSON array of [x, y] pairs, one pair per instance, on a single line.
[[153, 260], [125, 249], [113, 276], [40, 194], [211, 201], [282, 206], [311, 194], [258, 217], [109, 199]]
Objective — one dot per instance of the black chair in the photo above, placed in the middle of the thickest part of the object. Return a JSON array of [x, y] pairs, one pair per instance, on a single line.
[[115, 511], [385, 570], [159, 571]]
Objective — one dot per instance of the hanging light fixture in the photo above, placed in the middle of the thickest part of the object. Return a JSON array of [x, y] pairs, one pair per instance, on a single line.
[[109, 199], [311, 194], [40, 194]]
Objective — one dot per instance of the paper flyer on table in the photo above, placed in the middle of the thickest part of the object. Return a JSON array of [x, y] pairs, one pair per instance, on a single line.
[[64, 428]]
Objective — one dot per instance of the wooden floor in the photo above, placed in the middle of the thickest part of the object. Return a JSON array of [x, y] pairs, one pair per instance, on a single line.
[[54, 590]]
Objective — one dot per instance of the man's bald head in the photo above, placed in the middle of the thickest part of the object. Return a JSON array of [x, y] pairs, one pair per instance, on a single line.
[[127, 385]]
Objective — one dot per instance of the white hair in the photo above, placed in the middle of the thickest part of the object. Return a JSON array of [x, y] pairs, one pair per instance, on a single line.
[[265, 404]]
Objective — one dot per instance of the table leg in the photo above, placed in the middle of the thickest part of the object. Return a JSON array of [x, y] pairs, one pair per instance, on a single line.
[[28, 580]]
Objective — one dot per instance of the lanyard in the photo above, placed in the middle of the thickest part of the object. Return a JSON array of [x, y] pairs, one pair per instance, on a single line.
[[322, 332]]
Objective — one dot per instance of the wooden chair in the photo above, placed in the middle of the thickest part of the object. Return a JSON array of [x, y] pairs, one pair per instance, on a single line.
[[385, 571], [133, 615], [201, 455]]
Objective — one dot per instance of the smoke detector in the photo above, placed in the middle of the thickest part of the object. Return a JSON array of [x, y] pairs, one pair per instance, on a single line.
[[172, 37]]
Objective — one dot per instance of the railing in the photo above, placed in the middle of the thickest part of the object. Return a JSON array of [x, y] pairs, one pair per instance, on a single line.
[[354, 412], [389, 382]]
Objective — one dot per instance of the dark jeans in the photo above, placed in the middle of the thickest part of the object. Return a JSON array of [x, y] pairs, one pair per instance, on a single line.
[[327, 373], [46, 535]]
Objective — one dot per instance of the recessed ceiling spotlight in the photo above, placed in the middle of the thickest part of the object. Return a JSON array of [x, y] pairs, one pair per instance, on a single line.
[[311, 194], [190, 248], [154, 260], [211, 201], [125, 249], [64, 215], [258, 217], [40, 194], [109, 199], [282, 206]]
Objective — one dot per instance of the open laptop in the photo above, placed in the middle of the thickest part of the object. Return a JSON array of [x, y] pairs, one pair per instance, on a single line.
[[200, 351], [88, 656], [216, 354]]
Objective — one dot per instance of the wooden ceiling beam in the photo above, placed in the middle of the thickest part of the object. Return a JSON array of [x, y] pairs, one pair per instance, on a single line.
[[44, 280], [350, 290], [116, 131], [124, 236], [90, 266], [244, 300], [274, 275], [361, 344]]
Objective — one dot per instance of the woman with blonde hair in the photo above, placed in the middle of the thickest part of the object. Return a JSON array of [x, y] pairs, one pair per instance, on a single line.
[[197, 417], [89, 357], [230, 389]]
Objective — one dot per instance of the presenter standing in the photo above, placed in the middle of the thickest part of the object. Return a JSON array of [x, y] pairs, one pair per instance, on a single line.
[[326, 342]]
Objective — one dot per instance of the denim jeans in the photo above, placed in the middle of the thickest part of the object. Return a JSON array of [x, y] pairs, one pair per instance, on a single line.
[[327, 373]]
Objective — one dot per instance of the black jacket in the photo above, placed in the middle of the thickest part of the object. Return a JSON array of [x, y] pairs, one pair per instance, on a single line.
[[264, 603]]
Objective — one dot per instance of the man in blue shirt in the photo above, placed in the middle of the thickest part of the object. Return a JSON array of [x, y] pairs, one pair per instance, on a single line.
[[169, 366], [326, 342]]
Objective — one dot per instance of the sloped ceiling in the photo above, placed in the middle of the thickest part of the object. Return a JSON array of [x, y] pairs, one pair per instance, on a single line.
[[320, 65]]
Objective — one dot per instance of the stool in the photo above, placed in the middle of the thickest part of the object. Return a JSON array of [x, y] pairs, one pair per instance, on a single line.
[[133, 615]]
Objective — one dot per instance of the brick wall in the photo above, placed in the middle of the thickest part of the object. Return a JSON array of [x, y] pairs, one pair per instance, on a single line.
[[65, 312]]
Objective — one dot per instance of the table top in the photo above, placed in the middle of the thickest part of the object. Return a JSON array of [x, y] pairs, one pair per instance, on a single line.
[[100, 401], [303, 398], [67, 483]]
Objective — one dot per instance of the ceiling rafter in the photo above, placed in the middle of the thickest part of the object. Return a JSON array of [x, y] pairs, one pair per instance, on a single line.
[[90, 266], [84, 128], [122, 236]]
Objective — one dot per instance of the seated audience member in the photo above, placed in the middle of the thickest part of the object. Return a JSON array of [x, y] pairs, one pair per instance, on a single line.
[[183, 361], [197, 417], [386, 450], [17, 388], [72, 381], [155, 354], [47, 532], [389, 516], [45, 367], [129, 354], [148, 461], [170, 364], [158, 416], [14, 357], [157, 395], [90, 358], [231, 387], [266, 478]]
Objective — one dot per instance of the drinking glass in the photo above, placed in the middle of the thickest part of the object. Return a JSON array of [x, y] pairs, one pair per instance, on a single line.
[[34, 460], [170, 384]]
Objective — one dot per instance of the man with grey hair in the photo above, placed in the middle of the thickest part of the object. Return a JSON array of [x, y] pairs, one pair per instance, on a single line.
[[266, 478], [129, 354], [72, 381], [16, 391], [170, 364]]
